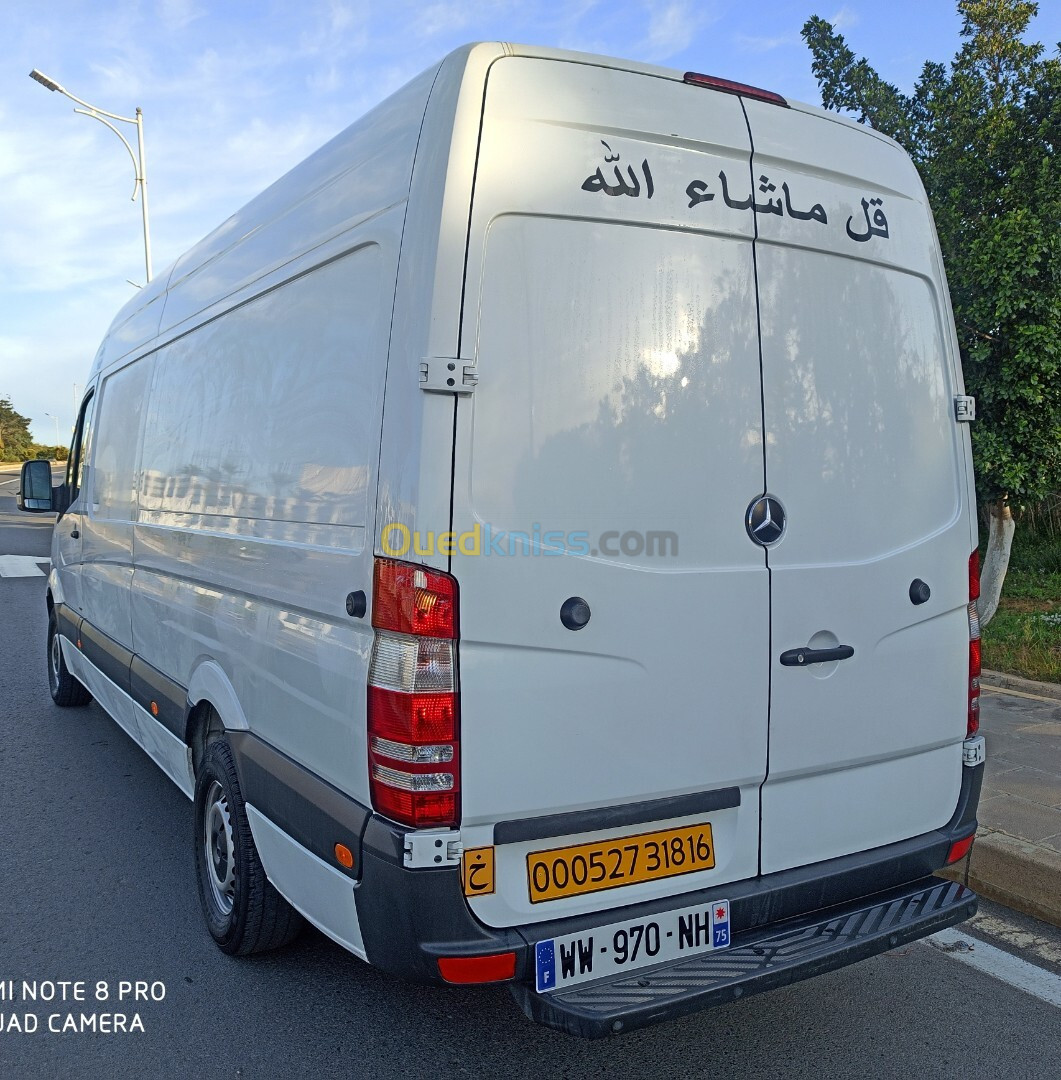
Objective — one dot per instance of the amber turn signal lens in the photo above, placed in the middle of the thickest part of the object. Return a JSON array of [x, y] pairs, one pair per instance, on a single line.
[[345, 856]]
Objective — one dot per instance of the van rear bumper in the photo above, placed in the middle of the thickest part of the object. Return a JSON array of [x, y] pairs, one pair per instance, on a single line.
[[758, 961], [805, 921]]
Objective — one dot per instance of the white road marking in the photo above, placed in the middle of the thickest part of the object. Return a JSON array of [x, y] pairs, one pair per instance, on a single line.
[[13, 480], [21, 566], [1042, 947], [1037, 981], [1016, 693]]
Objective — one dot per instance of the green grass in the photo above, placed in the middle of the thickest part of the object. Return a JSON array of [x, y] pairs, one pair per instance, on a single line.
[[1024, 643], [1019, 640]]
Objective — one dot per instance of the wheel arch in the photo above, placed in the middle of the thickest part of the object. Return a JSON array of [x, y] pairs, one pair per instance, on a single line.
[[213, 709], [55, 589]]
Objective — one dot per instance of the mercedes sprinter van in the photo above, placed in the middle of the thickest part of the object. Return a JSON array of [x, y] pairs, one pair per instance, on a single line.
[[538, 534]]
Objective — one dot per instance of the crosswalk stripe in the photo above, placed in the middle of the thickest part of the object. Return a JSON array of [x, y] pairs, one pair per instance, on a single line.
[[12, 566]]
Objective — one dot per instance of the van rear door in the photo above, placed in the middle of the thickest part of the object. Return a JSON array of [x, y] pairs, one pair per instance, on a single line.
[[608, 453], [859, 375]]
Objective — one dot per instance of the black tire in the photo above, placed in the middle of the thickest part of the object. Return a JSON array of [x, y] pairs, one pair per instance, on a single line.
[[243, 912], [65, 689]]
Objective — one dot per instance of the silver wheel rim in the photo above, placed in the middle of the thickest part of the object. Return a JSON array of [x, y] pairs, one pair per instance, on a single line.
[[220, 849], [56, 657]]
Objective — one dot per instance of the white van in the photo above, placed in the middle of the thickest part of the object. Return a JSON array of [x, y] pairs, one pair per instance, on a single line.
[[536, 533]]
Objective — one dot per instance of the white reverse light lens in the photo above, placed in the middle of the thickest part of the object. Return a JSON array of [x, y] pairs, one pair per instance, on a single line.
[[411, 665], [404, 781], [433, 754]]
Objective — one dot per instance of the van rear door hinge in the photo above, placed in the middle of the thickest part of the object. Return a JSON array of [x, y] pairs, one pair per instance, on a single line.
[[424, 849], [974, 751], [447, 375], [964, 408]]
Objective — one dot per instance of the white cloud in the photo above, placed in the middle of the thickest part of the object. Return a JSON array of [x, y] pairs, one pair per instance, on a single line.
[[342, 16], [844, 19], [177, 14], [434, 19], [752, 44], [671, 28]]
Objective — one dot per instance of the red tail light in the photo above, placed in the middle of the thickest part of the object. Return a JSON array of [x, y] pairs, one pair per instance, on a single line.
[[411, 599], [413, 710], [973, 724]]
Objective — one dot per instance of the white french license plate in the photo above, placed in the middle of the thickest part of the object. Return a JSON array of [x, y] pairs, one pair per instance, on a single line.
[[626, 946]]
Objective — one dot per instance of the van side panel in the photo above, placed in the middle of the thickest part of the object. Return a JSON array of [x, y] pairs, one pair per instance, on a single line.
[[362, 172], [110, 500], [258, 482]]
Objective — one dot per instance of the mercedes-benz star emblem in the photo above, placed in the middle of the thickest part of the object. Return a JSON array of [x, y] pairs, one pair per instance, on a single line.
[[766, 521]]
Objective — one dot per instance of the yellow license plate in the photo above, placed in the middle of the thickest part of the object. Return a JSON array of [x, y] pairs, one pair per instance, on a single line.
[[611, 864]]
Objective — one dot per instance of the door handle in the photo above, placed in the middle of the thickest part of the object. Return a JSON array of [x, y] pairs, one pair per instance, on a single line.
[[74, 534], [803, 657]]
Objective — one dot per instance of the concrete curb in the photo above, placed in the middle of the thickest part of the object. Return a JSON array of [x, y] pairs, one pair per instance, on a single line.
[[1001, 681], [1013, 872]]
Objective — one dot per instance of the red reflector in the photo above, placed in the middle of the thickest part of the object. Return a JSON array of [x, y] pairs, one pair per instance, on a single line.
[[727, 86], [974, 576], [412, 599], [960, 848], [478, 969]]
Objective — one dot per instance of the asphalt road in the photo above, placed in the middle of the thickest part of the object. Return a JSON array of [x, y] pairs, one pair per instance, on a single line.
[[96, 884]]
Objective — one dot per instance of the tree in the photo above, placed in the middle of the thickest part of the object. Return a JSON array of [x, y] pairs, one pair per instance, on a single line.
[[14, 432], [982, 134]]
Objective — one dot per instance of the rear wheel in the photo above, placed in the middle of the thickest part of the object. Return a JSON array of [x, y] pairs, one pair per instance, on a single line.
[[243, 912], [65, 689]]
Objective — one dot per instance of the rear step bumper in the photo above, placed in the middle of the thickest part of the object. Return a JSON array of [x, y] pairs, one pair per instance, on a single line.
[[759, 960]]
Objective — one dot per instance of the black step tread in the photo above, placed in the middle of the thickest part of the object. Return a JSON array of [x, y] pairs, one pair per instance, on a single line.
[[774, 957]]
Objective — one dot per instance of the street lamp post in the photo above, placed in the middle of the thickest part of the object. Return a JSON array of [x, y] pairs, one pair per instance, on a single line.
[[139, 163], [56, 419]]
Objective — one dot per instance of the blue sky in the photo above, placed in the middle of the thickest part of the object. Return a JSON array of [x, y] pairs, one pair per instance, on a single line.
[[236, 93]]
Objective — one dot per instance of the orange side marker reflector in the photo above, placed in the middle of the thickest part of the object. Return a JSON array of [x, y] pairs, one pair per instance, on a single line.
[[345, 856], [154, 708], [960, 848], [478, 969]]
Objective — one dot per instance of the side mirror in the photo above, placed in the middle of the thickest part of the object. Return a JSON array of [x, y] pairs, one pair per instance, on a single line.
[[35, 488]]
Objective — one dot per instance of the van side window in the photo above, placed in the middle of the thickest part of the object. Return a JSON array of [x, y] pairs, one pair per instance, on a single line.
[[80, 448]]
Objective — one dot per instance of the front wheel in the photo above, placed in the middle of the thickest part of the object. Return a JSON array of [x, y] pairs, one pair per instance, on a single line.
[[243, 912], [65, 689]]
